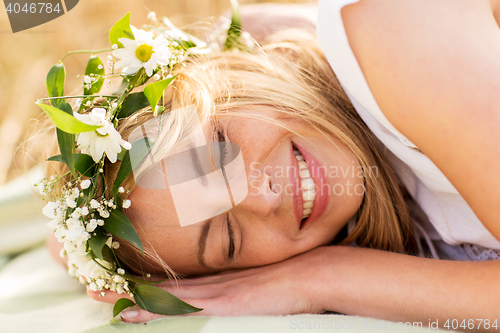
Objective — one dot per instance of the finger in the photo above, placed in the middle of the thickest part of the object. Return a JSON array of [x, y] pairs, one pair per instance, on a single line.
[[206, 291], [108, 296], [210, 279], [138, 316], [141, 316]]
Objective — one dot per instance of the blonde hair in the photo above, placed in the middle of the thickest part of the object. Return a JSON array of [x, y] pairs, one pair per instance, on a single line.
[[291, 75]]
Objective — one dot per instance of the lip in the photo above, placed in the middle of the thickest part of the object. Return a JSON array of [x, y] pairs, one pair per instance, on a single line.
[[318, 174]]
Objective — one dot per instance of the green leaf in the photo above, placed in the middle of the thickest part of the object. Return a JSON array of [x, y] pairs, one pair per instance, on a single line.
[[121, 305], [139, 280], [184, 44], [84, 164], [64, 121], [154, 91], [66, 141], [55, 83], [125, 170], [119, 225], [234, 31], [139, 78], [141, 148], [159, 110], [157, 300], [121, 29], [93, 68], [133, 103], [96, 243]]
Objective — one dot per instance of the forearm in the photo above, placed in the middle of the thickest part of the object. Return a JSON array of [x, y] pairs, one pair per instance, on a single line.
[[261, 20], [397, 287]]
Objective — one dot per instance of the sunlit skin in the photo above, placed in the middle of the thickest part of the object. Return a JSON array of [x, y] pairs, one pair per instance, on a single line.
[[421, 92], [264, 226]]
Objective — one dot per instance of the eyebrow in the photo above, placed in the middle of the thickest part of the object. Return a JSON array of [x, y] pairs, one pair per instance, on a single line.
[[197, 166], [202, 241]]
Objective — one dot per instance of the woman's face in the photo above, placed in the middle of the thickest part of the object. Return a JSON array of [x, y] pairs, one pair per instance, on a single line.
[[268, 225]]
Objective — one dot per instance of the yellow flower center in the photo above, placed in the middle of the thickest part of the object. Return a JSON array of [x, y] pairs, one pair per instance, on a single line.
[[144, 52]]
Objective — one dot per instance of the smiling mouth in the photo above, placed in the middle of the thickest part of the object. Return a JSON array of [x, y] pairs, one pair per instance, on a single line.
[[306, 184]]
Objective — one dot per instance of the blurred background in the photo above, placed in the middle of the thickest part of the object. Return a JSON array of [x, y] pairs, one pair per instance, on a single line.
[[27, 56]]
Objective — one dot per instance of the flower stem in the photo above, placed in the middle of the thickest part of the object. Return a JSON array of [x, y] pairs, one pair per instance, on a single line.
[[86, 51], [77, 96], [119, 102]]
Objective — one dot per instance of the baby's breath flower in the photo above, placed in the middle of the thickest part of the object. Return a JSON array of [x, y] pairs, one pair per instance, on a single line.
[[126, 204], [91, 225], [50, 209], [94, 204], [71, 203], [85, 184], [85, 211], [104, 213], [152, 16]]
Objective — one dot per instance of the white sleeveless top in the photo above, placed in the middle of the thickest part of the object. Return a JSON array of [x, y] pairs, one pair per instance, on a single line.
[[449, 213]]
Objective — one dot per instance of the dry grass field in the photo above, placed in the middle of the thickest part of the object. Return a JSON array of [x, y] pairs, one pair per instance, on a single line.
[[26, 57]]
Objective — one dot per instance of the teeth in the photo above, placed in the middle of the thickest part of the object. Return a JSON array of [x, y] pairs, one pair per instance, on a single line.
[[307, 185], [305, 173], [309, 195], [302, 165]]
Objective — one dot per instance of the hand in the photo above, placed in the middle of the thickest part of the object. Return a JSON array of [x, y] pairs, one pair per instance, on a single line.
[[287, 287]]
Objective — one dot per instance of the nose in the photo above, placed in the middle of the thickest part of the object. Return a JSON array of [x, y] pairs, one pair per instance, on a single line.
[[261, 201]]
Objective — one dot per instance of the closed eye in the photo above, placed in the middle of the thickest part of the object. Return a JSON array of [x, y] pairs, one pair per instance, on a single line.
[[222, 139], [231, 247]]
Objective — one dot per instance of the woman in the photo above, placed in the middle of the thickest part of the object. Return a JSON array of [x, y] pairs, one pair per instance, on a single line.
[[318, 278]]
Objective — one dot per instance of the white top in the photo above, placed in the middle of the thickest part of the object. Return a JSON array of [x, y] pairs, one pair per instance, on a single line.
[[449, 213]]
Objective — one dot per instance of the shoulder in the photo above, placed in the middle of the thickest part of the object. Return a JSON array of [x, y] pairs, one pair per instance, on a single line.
[[433, 67], [418, 55]]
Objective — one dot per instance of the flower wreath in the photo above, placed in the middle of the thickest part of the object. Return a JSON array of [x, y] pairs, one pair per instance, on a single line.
[[84, 219]]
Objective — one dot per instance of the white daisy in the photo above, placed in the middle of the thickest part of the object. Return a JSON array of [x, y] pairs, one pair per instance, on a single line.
[[105, 139], [144, 51]]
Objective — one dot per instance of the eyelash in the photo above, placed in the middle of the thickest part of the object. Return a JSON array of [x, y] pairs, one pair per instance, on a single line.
[[230, 232], [221, 136]]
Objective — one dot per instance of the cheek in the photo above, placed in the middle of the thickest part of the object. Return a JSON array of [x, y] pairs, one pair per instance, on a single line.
[[263, 247]]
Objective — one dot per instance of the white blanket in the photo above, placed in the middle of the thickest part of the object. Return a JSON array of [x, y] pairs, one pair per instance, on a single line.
[[37, 295]]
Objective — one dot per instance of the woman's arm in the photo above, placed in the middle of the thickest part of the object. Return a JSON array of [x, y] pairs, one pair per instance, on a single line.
[[261, 20], [349, 280], [434, 69]]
